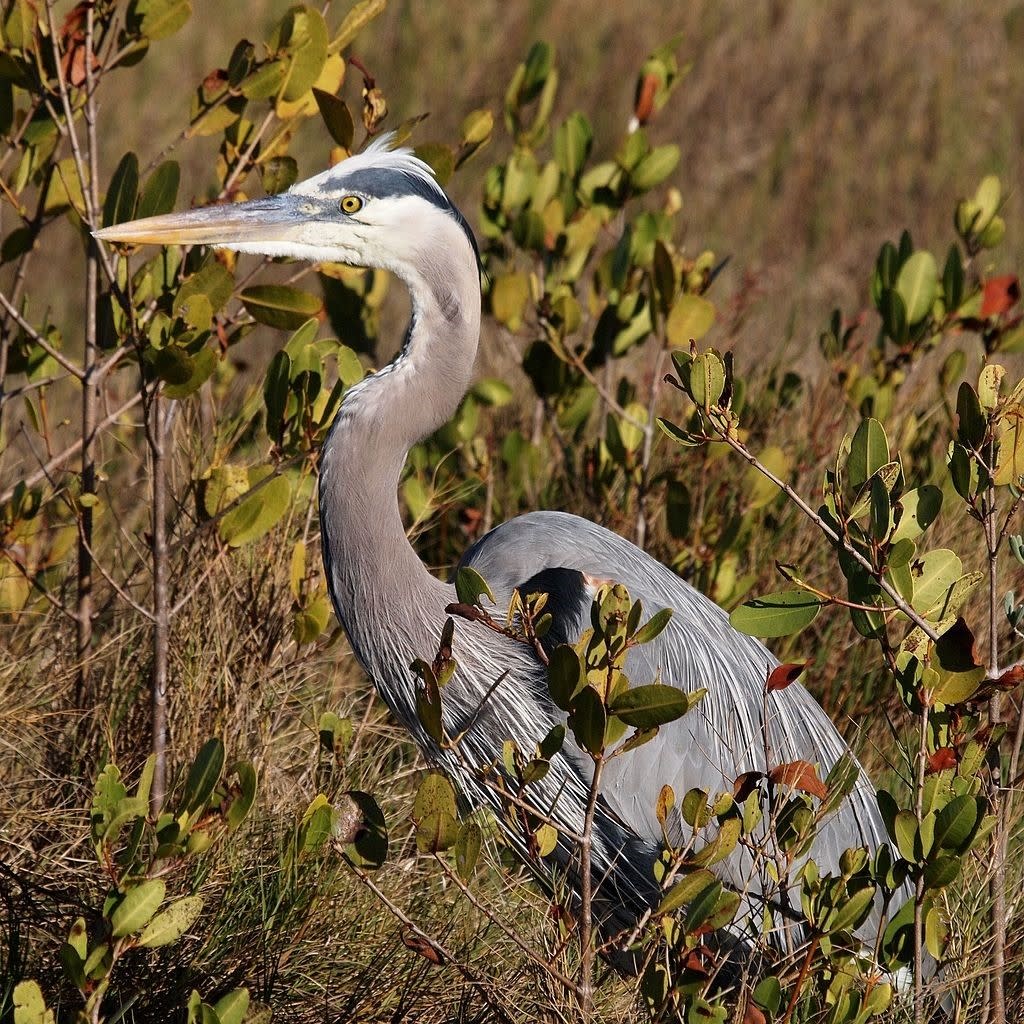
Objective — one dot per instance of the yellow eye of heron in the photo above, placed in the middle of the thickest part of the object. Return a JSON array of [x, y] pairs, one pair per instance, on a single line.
[[351, 204]]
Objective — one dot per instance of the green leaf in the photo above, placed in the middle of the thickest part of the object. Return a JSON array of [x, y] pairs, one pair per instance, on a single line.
[[203, 776], [470, 586], [869, 452], [971, 421], [565, 675], [264, 82], [986, 199], [336, 117], [689, 320], [779, 614], [758, 489], [722, 845], [436, 832], [678, 434], [918, 285], [956, 823], [200, 368], [894, 315], [572, 145], [317, 825], [280, 305], [933, 574], [653, 627], [257, 514], [768, 994], [278, 174], [369, 849], [275, 394], [707, 379], [953, 279], [587, 720], [905, 834], [214, 284], [435, 793], [467, 849], [919, 509], [170, 924], [160, 191], [119, 204], [139, 904], [358, 17], [654, 168], [852, 914], [644, 707], [29, 1005], [232, 1007], [158, 19], [303, 34], [428, 701], [939, 872], [241, 805], [78, 938], [509, 295], [686, 890]]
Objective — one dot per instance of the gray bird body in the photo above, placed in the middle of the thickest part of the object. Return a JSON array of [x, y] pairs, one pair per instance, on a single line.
[[393, 609]]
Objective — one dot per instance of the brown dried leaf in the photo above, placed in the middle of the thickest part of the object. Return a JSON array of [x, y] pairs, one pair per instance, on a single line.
[[424, 947], [1011, 678], [753, 1015], [800, 775]]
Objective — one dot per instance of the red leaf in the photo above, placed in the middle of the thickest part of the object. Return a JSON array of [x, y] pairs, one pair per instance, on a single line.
[[943, 758], [782, 675], [644, 105], [800, 775], [753, 1015], [745, 784], [1011, 678], [1000, 294]]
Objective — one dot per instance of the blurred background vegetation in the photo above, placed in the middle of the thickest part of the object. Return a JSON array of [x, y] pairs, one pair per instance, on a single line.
[[809, 133]]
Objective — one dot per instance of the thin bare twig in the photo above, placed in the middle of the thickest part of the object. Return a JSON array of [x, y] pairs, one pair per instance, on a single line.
[[39, 340], [58, 460], [510, 933], [440, 950]]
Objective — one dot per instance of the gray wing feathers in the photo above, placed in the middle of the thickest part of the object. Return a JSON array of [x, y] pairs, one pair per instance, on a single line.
[[728, 732]]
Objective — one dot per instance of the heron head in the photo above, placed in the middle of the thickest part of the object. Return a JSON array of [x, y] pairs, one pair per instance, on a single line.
[[381, 208]]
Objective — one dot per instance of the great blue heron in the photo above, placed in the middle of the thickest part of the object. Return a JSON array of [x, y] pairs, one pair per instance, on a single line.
[[383, 208]]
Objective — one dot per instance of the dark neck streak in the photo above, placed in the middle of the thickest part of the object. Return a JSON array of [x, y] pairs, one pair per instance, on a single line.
[[389, 604]]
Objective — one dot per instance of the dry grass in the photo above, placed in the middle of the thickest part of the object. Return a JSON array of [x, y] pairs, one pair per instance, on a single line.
[[810, 133]]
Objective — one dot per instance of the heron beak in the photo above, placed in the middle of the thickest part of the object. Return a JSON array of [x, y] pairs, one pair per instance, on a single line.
[[256, 222]]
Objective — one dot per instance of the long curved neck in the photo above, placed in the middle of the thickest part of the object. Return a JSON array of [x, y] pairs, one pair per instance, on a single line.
[[388, 602]]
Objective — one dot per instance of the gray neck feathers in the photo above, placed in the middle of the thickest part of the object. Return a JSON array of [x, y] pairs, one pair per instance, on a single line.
[[390, 605]]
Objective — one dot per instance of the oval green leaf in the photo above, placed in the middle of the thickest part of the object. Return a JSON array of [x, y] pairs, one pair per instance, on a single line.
[[280, 306], [170, 924], [137, 907], [918, 284], [779, 614]]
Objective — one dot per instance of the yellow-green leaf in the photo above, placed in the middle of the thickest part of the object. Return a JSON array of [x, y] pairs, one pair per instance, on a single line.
[[509, 295], [137, 907], [689, 320], [257, 514], [170, 924]]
